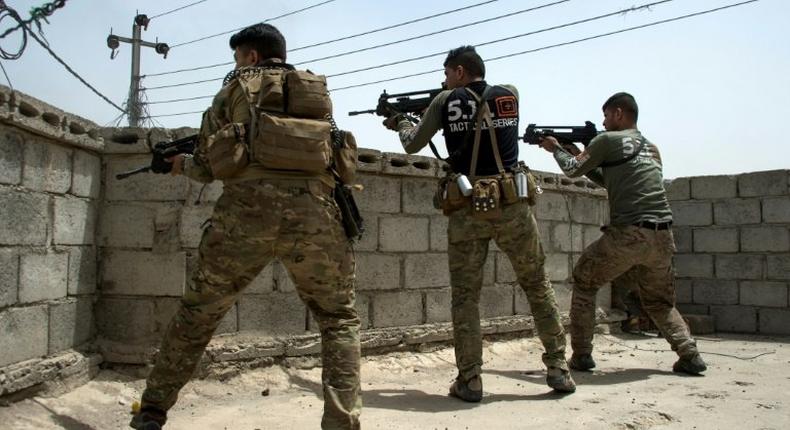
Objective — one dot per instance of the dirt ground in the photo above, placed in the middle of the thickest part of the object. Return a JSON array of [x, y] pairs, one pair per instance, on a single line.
[[632, 388]]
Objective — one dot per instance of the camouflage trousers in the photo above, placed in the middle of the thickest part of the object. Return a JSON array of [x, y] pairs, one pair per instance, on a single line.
[[644, 256], [516, 234], [254, 222]]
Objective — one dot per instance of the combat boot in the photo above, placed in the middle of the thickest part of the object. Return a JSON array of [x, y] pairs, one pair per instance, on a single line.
[[581, 362], [690, 364], [468, 391], [560, 380], [148, 419]]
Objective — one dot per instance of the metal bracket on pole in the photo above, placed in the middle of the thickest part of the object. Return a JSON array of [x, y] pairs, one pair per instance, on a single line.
[[134, 103]]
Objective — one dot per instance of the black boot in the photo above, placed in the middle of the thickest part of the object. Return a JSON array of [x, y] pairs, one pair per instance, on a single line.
[[690, 364], [581, 362], [148, 418], [468, 391], [560, 380]]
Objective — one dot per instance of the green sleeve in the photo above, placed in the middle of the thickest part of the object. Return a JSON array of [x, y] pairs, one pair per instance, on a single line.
[[587, 161], [415, 137], [195, 171]]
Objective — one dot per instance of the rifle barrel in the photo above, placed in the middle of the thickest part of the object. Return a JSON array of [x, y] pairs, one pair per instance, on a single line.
[[124, 175], [361, 112]]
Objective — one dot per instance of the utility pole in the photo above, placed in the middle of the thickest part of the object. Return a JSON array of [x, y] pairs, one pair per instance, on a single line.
[[134, 104]]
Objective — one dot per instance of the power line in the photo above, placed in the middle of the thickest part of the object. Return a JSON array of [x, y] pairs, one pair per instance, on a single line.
[[10, 85], [543, 30], [240, 28], [180, 100], [433, 33], [543, 48], [177, 9], [364, 33], [176, 114]]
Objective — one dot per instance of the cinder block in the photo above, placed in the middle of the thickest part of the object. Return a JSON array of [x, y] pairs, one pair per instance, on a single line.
[[418, 196], [567, 238], [282, 279], [438, 229], [683, 239], [770, 183], [165, 309], [426, 271], [273, 314], [43, 276], [369, 160], [408, 165], [370, 239], [24, 334], [83, 269], [678, 189], [777, 267], [552, 206], [191, 225], [201, 194], [588, 210], [762, 293], [496, 301], [765, 239], [380, 194], [438, 305], [142, 187], [143, 273], [128, 320], [707, 292], [736, 212], [11, 155], [127, 225], [70, 324], [693, 265], [403, 234], [86, 178], [591, 234], [776, 210], [362, 304], [47, 166], [558, 267], [264, 282], [775, 321], [687, 308], [9, 276], [74, 222], [715, 240], [700, 324], [740, 266], [714, 187], [683, 291], [603, 300], [735, 319], [377, 271], [25, 218], [125, 140], [692, 213], [396, 309]]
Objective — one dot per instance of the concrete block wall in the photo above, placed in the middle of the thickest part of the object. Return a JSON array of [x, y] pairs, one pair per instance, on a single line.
[[50, 192], [733, 238], [151, 226]]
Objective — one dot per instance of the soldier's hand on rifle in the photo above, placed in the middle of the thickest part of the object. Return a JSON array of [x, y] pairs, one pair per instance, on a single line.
[[392, 122], [178, 164], [549, 143]]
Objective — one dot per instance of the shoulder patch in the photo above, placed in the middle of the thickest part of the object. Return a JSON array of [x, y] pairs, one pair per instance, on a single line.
[[506, 106]]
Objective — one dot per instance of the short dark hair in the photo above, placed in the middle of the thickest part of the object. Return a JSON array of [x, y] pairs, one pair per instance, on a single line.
[[467, 57], [266, 39], [624, 101]]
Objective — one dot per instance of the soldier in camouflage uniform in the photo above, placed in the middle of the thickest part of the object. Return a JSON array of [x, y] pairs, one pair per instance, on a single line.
[[261, 215], [638, 241], [515, 232]]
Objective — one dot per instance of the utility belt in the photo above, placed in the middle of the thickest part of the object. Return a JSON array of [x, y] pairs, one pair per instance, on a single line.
[[486, 195]]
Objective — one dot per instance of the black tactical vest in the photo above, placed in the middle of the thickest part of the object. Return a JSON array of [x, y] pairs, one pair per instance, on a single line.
[[458, 122]]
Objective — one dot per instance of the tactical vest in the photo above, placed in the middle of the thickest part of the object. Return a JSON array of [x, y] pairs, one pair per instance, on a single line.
[[458, 123]]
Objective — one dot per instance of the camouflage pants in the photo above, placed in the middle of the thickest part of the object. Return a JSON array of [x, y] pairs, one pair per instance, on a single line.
[[516, 234], [646, 256], [254, 222]]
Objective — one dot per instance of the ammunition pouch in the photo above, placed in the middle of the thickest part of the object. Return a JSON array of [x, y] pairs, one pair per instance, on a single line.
[[448, 196], [287, 143], [345, 156], [226, 151], [486, 199]]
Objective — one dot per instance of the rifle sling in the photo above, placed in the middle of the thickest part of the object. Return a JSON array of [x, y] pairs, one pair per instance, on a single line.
[[484, 115]]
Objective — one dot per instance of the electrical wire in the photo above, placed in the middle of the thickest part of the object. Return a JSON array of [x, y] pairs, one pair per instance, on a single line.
[[433, 33], [491, 42], [180, 100], [557, 45], [10, 85], [177, 9], [240, 28], [176, 114]]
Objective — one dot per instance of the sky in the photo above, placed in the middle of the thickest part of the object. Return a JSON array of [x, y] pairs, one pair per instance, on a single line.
[[711, 89]]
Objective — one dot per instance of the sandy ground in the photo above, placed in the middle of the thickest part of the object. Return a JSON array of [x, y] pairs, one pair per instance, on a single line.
[[632, 388]]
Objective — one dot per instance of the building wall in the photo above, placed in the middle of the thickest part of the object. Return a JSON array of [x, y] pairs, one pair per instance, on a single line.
[[50, 192], [733, 239]]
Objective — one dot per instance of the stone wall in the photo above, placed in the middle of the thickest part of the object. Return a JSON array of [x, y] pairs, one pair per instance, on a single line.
[[50, 189], [150, 227], [733, 239]]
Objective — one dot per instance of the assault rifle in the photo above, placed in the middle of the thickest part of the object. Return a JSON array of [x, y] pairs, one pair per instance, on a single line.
[[568, 136], [407, 103], [161, 151]]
